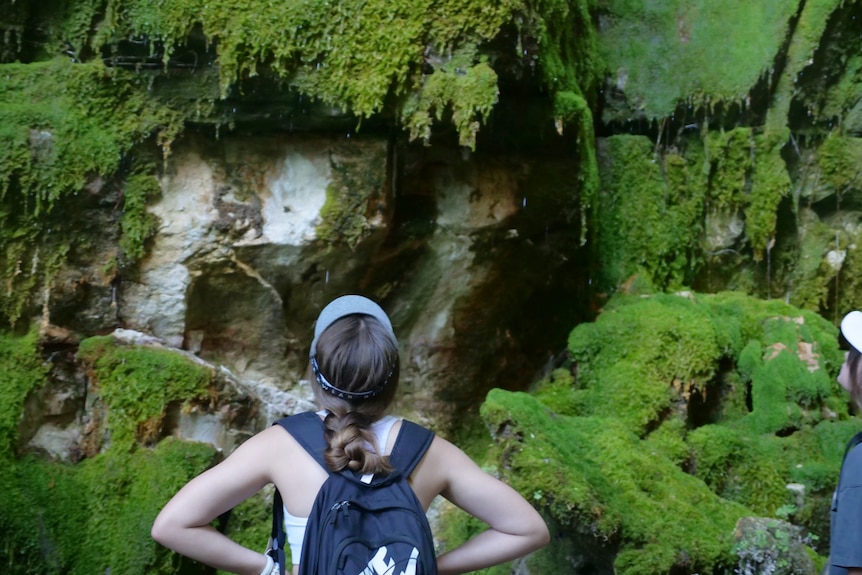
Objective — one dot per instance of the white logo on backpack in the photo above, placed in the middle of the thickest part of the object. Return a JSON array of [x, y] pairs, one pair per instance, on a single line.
[[379, 566]]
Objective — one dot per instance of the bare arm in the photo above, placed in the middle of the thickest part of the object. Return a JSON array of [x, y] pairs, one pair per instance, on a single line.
[[515, 527], [184, 523]]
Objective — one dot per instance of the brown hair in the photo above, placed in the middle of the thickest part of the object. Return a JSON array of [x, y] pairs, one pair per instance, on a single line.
[[854, 370], [356, 353]]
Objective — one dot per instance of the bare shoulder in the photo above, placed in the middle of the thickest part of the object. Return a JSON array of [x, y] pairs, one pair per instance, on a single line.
[[443, 464]]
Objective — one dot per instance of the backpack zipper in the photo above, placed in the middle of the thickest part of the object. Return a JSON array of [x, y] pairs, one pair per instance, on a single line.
[[341, 507]]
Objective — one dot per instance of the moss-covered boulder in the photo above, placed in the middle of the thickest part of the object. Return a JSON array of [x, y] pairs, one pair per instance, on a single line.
[[95, 515], [675, 417]]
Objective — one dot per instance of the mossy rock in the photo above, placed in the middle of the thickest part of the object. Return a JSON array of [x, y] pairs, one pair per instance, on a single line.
[[24, 371], [593, 476], [676, 410], [96, 515]]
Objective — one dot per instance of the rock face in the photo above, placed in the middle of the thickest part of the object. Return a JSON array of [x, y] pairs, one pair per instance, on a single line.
[[256, 234]]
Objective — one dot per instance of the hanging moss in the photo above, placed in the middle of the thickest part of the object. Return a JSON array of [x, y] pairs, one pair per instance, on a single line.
[[138, 225], [649, 215], [729, 157], [814, 16], [839, 158], [459, 84], [62, 127], [813, 275], [770, 184], [23, 371], [663, 54], [354, 55]]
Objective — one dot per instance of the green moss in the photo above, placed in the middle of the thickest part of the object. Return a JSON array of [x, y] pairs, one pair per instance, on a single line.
[[839, 158], [616, 455], [741, 467], [462, 83], [63, 126], [729, 157], [95, 516], [681, 353], [595, 474], [23, 371], [770, 184], [349, 54], [137, 225], [669, 440], [137, 383], [361, 56], [558, 392], [644, 206], [814, 278], [354, 198], [667, 53], [813, 18]]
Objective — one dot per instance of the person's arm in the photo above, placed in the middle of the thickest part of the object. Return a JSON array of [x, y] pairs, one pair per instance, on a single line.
[[183, 525], [515, 527]]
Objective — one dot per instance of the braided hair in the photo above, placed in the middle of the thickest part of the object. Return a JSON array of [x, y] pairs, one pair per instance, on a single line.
[[356, 354]]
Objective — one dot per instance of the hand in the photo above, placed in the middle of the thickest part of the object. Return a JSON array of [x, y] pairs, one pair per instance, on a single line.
[[271, 568]]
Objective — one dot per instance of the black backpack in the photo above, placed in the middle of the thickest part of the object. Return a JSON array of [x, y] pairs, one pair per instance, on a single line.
[[361, 528]]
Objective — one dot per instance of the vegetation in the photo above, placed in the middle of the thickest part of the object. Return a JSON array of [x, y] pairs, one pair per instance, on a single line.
[[81, 518], [676, 51], [677, 417]]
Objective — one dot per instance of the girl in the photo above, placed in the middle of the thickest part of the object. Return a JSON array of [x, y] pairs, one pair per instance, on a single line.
[[845, 554], [354, 364]]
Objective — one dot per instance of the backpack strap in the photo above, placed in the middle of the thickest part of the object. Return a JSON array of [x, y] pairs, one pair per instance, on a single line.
[[308, 429], [278, 537], [854, 441], [410, 447]]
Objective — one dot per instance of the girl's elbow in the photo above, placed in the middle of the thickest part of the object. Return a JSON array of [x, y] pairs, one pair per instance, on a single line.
[[160, 531], [543, 536], [539, 534]]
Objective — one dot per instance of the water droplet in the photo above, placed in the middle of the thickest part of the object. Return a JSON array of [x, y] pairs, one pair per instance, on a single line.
[[524, 202], [327, 276]]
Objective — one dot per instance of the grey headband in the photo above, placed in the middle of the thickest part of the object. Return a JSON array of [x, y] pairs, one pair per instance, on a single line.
[[348, 305]]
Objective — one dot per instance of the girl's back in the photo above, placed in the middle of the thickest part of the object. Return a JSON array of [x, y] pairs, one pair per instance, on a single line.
[[354, 361]]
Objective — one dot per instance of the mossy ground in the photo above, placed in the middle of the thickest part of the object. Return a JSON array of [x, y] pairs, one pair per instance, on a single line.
[[677, 416]]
